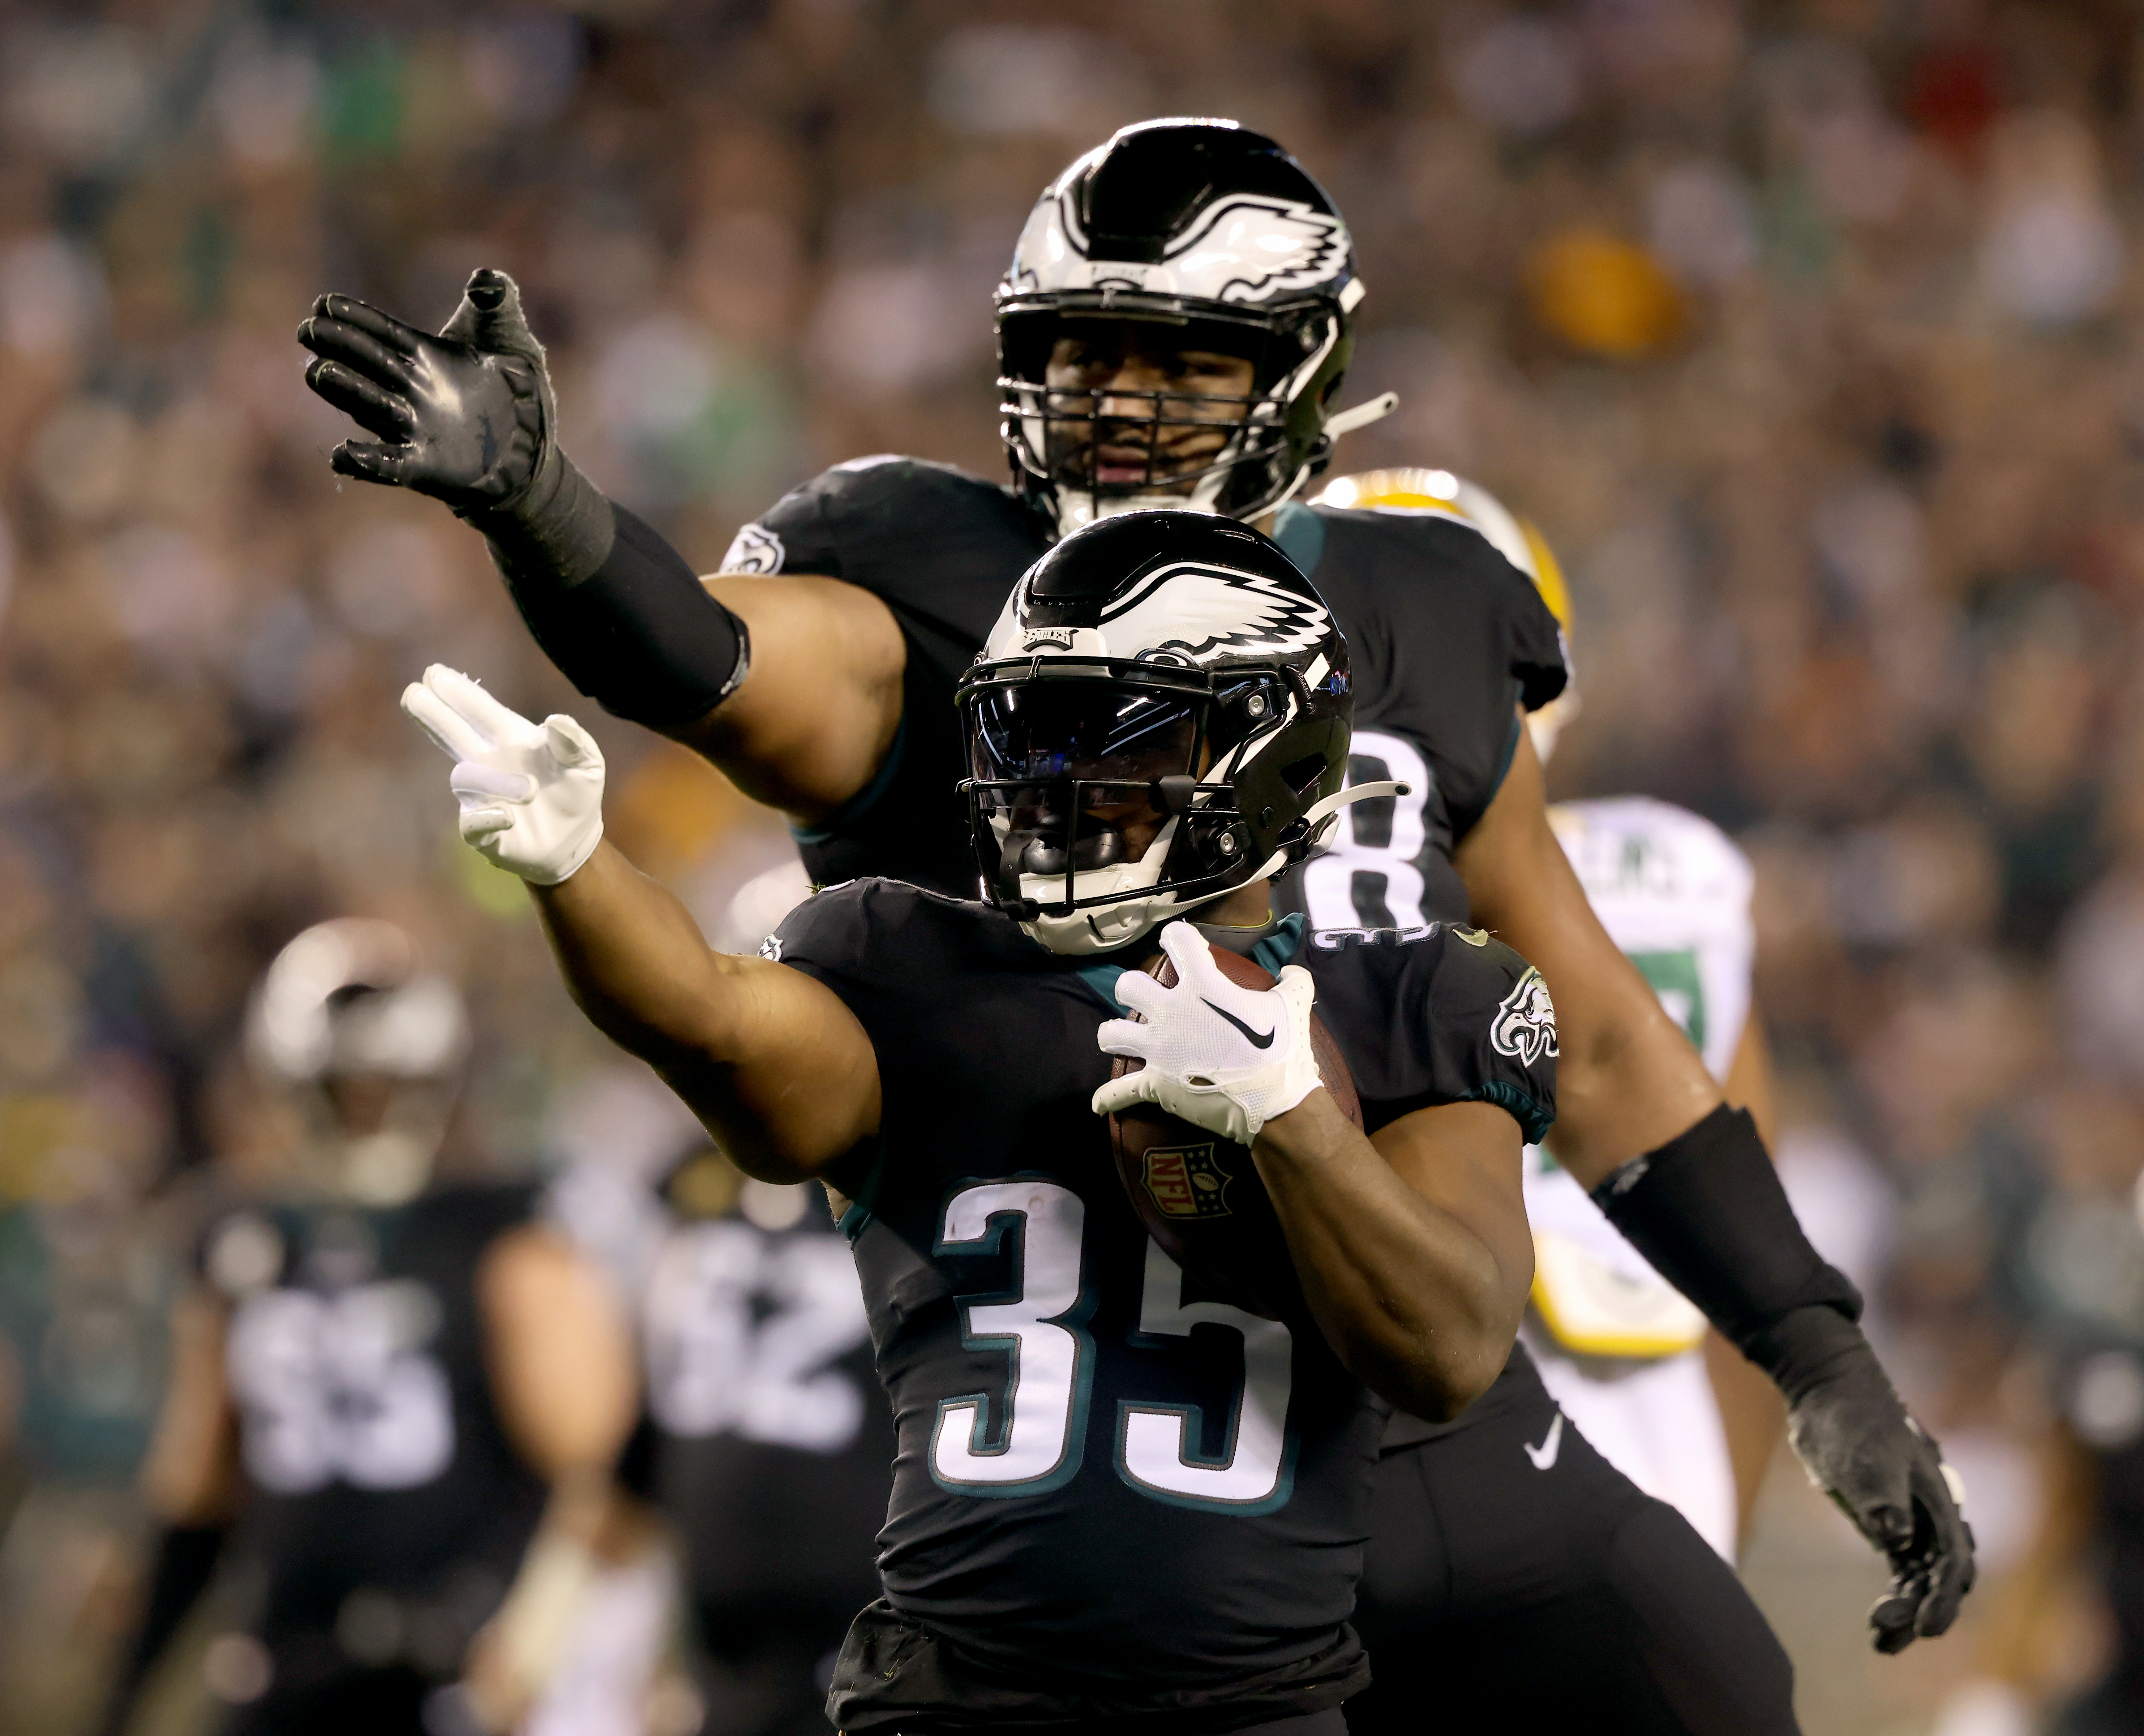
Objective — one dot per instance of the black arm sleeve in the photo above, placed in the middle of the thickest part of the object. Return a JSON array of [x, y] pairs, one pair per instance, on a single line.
[[1708, 1211], [640, 635], [185, 1562]]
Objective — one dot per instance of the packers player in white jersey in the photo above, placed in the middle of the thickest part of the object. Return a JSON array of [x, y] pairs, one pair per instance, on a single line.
[[1635, 1368]]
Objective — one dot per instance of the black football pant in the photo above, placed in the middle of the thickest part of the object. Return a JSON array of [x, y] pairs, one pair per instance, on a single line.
[[1517, 1582]]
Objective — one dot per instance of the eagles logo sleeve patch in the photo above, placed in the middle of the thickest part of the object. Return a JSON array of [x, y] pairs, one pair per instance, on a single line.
[[755, 551], [1525, 1025]]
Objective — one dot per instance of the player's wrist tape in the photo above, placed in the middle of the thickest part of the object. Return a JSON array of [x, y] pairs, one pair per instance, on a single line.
[[556, 532], [1809, 1347], [1708, 1211], [638, 631]]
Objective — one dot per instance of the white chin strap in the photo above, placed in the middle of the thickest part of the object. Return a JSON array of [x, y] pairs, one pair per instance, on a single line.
[[1362, 415], [1103, 927]]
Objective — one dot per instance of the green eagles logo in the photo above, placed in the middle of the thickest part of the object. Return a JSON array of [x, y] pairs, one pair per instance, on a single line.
[[1186, 1181], [1525, 1027]]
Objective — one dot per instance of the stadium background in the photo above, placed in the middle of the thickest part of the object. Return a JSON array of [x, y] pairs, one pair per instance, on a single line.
[[1808, 333]]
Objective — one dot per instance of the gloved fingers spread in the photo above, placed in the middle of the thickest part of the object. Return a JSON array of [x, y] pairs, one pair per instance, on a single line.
[[490, 317], [451, 733], [1123, 1037], [366, 461], [474, 778], [385, 414], [1140, 992], [1117, 1095], [358, 349], [490, 716], [571, 743], [348, 311]]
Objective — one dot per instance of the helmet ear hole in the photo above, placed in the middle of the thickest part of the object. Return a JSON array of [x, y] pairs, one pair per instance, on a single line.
[[1303, 774]]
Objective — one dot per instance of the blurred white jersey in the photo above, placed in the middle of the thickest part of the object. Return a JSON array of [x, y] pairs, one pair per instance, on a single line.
[[1616, 1345]]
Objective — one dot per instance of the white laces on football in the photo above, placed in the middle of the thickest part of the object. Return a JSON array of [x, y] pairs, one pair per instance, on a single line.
[[1224, 1057], [531, 794]]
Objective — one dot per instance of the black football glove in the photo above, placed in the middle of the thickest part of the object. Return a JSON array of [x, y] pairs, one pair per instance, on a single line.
[[467, 417], [1878, 1465]]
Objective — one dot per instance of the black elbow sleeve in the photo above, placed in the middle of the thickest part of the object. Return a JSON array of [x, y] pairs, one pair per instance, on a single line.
[[640, 635], [1708, 1211]]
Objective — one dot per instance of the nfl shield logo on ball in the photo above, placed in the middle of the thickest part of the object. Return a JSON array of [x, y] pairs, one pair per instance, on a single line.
[[1185, 1181]]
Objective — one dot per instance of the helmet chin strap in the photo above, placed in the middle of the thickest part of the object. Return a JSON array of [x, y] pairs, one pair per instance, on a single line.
[[1339, 799], [1362, 415]]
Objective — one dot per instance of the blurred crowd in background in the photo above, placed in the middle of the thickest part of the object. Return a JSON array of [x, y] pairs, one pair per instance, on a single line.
[[1809, 334]]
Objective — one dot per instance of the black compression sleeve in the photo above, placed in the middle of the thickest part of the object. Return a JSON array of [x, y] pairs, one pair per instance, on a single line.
[[1708, 1211], [185, 1562], [640, 635]]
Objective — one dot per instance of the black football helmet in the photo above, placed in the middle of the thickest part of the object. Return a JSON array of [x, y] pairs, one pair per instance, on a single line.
[[1218, 236], [1161, 714]]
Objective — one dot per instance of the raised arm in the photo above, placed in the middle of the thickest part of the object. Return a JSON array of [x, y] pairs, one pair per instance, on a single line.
[[772, 1062], [792, 684], [776, 1068]]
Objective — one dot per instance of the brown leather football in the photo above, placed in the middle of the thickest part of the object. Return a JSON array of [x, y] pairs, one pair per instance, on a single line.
[[1199, 1195]]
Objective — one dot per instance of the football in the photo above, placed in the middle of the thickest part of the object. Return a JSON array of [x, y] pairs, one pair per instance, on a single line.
[[1199, 1195]]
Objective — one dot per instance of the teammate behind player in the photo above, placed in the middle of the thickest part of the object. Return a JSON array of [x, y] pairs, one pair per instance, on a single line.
[[400, 1396], [1119, 1492], [1218, 277], [1674, 1407], [767, 1443]]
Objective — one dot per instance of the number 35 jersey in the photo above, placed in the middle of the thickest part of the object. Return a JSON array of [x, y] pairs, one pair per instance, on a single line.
[[1112, 1483]]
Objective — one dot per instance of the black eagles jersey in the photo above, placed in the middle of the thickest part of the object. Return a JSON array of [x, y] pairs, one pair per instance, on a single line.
[[1445, 635], [375, 1458], [772, 1445], [1115, 1490]]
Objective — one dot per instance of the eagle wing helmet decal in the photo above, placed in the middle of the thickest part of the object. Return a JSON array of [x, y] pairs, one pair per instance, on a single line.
[[1264, 245], [1246, 247], [1200, 610]]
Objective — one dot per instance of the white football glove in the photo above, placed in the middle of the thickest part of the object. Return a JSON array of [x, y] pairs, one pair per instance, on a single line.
[[531, 794], [1224, 1057]]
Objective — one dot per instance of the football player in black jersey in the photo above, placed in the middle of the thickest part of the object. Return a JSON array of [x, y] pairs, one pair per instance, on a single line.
[[398, 1396], [1126, 1495], [767, 1442], [1217, 276]]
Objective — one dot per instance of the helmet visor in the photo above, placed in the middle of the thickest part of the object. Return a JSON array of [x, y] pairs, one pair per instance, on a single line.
[[1067, 777]]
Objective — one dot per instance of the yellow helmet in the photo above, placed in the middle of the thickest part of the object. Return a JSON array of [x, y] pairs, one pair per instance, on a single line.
[[1413, 488]]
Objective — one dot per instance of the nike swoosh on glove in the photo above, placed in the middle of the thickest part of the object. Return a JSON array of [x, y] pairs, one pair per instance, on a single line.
[[1224, 1057], [531, 794], [1858, 1444]]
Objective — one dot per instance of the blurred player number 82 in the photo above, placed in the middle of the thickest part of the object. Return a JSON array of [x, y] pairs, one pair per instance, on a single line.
[[1199, 1196]]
